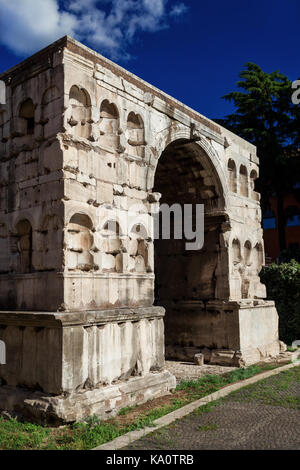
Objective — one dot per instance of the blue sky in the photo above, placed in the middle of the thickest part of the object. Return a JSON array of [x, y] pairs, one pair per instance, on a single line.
[[191, 49]]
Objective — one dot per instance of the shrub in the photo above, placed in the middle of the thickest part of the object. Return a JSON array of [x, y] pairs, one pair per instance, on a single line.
[[291, 253], [283, 286]]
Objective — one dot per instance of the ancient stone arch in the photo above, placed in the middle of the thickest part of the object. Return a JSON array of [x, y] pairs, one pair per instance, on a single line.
[[185, 174], [89, 295]]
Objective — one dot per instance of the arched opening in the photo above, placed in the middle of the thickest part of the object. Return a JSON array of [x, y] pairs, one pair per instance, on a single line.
[[47, 255], [111, 229], [246, 274], [4, 249], [2, 353], [51, 112], [236, 252], [24, 244], [186, 279], [258, 258], [3, 120], [139, 250], [244, 181], [79, 242], [136, 135], [247, 253], [27, 114], [232, 176], [110, 247], [80, 103], [253, 177], [236, 269], [109, 125]]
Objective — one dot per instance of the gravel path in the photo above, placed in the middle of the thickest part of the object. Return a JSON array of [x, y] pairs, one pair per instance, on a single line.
[[190, 371]]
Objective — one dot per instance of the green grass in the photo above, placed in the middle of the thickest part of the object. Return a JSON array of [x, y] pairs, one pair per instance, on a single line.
[[211, 383], [94, 432], [272, 391], [291, 349], [208, 427]]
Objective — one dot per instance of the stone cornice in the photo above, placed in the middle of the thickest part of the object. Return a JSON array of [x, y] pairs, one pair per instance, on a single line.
[[77, 318]]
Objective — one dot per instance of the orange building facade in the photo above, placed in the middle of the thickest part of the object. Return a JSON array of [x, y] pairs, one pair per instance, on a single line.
[[292, 228]]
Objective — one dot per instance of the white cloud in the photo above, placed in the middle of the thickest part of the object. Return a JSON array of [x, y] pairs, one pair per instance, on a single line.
[[155, 7], [107, 25], [27, 25], [178, 9]]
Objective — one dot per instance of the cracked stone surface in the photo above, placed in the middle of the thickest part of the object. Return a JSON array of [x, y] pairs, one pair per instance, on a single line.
[[259, 417]]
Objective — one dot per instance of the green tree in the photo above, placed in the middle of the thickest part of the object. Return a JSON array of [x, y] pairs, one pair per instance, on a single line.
[[266, 117]]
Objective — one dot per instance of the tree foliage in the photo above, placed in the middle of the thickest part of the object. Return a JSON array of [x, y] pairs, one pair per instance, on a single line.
[[283, 286], [266, 117]]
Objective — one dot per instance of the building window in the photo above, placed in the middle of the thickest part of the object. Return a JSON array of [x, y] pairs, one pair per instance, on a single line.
[[292, 214], [269, 220]]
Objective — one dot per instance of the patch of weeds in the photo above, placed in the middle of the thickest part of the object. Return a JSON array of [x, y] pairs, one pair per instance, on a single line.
[[208, 427], [212, 383], [15, 435], [208, 407], [126, 410], [162, 437]]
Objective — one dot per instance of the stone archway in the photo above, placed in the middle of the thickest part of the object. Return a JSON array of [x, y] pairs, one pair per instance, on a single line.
[[187, 280]]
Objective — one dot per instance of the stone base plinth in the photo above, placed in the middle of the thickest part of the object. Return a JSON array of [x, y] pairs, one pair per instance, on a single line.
[[103, 402], [71, 365], [233, 333]]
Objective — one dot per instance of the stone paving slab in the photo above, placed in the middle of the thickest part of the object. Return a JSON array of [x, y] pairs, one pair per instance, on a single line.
[[231, 426], [242, 420]]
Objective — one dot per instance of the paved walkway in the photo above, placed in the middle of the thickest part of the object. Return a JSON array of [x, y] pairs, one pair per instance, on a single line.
[[265, 415]]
